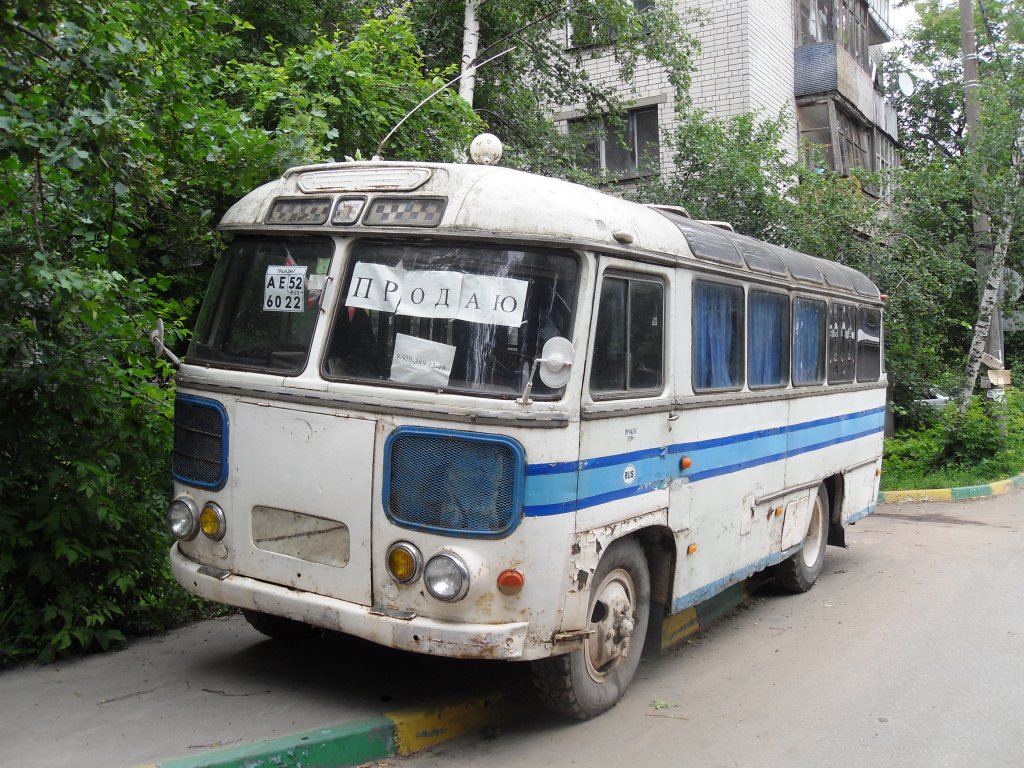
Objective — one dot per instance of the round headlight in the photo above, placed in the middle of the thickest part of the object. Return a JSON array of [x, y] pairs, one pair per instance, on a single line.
[[212, 522], [183, 518], [446, 577], [404, 562]]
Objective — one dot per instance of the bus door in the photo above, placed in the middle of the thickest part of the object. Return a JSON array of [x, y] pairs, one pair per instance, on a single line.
[[306, 478], [625, 469]]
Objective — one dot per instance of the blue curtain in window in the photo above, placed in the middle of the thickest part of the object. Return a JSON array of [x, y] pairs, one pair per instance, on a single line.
[[769, 321], [808, 334], [713, 321]]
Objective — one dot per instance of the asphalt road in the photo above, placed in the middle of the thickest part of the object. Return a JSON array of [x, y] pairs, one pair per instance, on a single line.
[[908, 652]]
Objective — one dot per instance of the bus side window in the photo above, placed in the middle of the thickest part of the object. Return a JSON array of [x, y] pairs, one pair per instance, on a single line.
[[767, 339], [629, 337], [869, 344], [842, 345], [717, 336], [808, 341]]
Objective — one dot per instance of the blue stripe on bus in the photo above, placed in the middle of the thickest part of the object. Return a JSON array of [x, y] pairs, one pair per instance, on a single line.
[[563, 487]]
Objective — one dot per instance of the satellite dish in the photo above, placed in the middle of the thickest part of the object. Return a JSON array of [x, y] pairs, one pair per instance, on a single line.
[[906, 84], [556, 362]]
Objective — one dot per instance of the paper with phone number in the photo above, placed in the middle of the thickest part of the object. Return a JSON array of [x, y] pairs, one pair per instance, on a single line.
[[420, 361]]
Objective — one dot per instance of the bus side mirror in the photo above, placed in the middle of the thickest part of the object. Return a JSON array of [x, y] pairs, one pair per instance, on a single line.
[[156, 338], [555, 364]]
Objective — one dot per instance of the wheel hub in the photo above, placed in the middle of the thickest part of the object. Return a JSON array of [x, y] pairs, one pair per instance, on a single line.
[[612, 622]]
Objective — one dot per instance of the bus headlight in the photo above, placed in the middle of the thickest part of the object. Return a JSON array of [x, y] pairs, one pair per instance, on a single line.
[[183, 518], [446, 577], [212, 522]]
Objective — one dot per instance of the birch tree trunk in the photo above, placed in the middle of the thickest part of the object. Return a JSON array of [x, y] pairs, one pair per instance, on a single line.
[[470, 45], [990, 296]]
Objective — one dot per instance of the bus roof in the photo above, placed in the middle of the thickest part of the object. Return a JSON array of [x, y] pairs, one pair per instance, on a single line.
[[492, 201]]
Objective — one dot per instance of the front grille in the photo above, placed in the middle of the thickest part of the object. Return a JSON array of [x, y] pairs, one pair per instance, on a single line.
[[200, 442], [457, 483]]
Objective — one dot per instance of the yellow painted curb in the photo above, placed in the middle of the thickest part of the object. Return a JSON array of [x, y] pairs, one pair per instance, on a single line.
[[417, 729], [678, 626], [931, 494], [1001, 487]]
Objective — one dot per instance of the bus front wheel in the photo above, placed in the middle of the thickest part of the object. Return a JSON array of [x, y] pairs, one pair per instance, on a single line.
[[587, 682], [799, 572]]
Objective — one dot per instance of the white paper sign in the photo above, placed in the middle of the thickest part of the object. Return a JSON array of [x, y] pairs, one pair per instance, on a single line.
[[430, 293], [492, 300], [284, 289], [374, 286], [420, 361]]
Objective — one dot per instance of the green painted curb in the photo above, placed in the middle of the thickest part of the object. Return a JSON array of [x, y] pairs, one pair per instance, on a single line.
[[337, 747], [995, 488]]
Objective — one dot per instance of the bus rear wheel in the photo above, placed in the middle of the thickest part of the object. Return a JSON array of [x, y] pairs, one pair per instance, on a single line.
[[276, 627], [799, 572], [587, 682]]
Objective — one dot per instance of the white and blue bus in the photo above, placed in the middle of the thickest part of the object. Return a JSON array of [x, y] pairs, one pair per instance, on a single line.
[[468, 411]]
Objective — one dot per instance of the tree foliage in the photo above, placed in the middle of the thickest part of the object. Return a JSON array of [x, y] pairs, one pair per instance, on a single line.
[[125, 131], [965, 176], [549, 65]]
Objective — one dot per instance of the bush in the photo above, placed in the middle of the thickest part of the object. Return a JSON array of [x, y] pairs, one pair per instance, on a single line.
[[983, 445]]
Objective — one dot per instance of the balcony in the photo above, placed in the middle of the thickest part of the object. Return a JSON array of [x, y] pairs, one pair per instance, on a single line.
[[824, 68]]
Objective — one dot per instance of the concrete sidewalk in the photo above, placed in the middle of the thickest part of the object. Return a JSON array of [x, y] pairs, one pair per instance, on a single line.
[[219, 694], [220, 684]]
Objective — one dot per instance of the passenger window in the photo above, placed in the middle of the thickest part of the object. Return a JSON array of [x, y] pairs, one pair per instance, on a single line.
[[717, 336], [808, 342], [768, 339], [842, 349], [869, 344], [629, 341]]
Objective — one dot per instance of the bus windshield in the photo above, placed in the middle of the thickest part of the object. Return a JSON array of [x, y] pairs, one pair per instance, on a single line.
[[262, 305], [450, 317]]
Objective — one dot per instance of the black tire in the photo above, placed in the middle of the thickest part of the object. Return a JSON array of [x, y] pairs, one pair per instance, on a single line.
[[799, 572], [277, 627], [592, 680]]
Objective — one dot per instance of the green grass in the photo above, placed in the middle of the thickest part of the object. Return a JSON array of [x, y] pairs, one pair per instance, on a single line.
[[985, 445]]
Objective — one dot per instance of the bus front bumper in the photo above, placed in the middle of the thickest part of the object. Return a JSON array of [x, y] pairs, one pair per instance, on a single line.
[[418, 634]]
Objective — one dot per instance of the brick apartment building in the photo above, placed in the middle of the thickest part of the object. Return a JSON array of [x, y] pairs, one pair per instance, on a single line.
[[819, 61]]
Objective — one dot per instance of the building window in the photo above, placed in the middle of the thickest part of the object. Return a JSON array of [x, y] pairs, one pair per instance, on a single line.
[[816, 21], [842, 351], [629, 337], [717, 336], [854, 144], [767, 339], [808, 341], [622, 147], [816, 135], [831, 136], [869, 344], [854, 31]]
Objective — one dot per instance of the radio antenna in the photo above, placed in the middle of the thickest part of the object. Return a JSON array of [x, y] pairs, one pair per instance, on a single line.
[[411, 112]]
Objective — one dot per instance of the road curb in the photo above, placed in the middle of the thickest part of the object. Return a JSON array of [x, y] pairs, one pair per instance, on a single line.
[[997, 488], [392, 734], [405, 732]]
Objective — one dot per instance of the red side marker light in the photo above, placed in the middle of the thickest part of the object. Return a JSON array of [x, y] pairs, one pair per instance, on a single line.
[[510, 582]]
